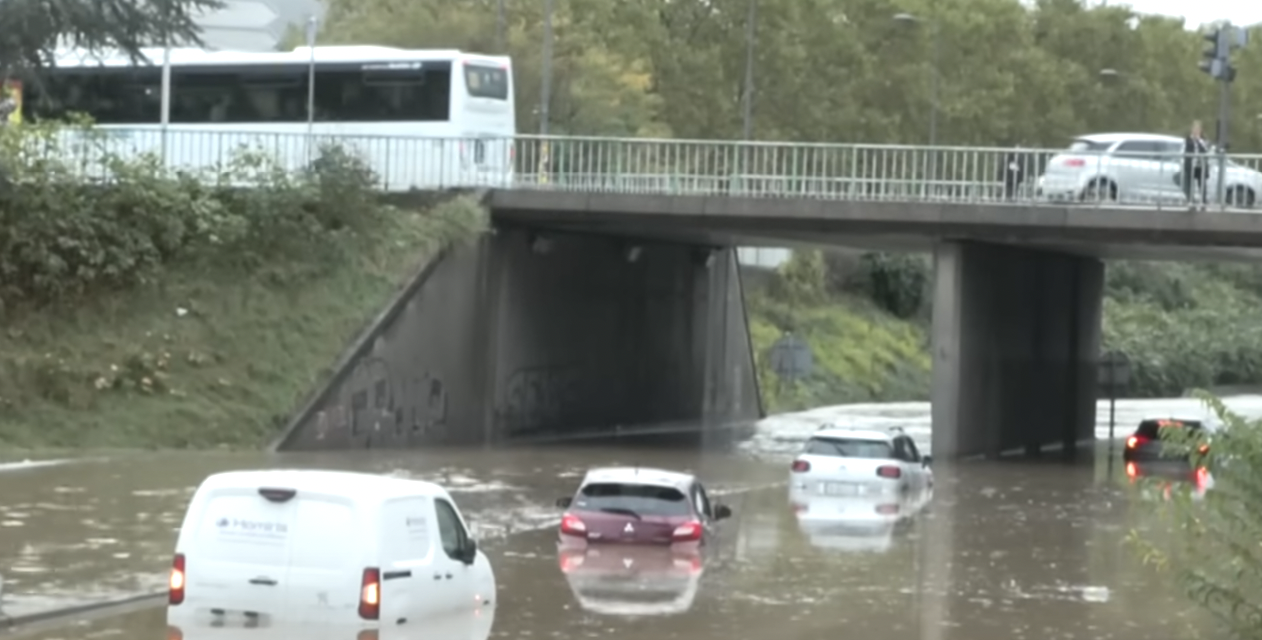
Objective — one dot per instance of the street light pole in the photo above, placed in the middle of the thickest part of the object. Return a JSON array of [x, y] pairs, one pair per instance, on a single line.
[[545, 91], [931, 169], [934, 84], [747, 97], [501, 28]]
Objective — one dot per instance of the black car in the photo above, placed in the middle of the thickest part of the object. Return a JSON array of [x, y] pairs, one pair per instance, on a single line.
[[1145, 444]]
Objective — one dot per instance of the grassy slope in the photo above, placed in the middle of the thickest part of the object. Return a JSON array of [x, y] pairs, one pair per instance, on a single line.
[[861, 354], [226, 373]]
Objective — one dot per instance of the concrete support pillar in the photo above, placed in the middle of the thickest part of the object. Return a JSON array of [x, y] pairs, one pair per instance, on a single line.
[[1016, 337]]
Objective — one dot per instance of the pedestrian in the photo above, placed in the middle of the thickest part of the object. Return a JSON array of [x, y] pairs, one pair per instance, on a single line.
[[1012, 173], [1195, 152]]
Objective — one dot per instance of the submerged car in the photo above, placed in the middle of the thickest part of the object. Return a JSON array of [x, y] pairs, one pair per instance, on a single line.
[[632, 580], [639, 505], [1145, 444], [859, 462]]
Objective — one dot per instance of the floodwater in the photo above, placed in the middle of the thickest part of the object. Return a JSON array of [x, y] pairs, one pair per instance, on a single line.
[[1001, 550]]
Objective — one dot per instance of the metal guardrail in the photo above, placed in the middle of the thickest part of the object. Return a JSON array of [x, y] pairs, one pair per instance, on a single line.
[[695, 167]]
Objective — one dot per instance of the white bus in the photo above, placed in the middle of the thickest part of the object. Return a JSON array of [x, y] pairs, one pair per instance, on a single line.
[[424, 119]]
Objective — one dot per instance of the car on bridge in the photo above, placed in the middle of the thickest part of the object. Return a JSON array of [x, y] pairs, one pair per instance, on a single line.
[[846, 462], [639, 505], [1137, 168], [632, 580]]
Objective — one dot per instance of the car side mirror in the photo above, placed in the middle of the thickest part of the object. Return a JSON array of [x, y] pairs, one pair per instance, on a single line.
[[469, 552], [722, 511], [565, 503], [926, 460]]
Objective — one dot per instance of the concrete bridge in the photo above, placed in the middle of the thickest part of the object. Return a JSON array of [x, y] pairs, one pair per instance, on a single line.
[[609, 293]]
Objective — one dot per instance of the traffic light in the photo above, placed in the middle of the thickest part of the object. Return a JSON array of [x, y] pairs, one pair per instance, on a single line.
[[1216, 55]]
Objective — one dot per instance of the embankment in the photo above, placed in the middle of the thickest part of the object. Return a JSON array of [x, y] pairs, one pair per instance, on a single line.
[[175, 311]]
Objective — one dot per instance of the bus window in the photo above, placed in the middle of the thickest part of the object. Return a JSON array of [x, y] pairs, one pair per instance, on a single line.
[[110, 95], [486, 82], [238, 95], [418, 95]]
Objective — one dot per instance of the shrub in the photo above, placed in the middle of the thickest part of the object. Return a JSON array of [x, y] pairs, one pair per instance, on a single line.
[[1212, 547], [80, 214]]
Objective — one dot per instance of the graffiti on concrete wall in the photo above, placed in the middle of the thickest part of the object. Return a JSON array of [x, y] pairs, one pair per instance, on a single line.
[[377, 399], [537, 398]]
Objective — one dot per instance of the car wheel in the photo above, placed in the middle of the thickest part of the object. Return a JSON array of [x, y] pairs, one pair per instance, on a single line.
[[1100, 190], [1240, 197]]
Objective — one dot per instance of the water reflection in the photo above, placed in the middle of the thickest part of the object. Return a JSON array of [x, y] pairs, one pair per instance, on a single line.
[[855, 523], [626, 580]]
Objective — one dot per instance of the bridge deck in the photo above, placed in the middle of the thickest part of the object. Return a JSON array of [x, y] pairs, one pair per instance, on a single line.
[[1145, 232]]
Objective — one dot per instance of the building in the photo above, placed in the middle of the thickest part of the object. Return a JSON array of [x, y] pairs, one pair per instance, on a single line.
[[255, 25]]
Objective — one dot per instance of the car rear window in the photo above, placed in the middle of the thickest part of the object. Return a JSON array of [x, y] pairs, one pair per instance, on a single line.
[[849, 448], [643, 499], [1151, 429], [1082, 144]]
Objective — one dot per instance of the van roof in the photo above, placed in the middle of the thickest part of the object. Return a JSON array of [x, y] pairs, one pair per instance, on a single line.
[[639, 475], [358, 485]]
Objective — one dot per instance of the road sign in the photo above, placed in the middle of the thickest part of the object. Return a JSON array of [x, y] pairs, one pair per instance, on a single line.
[[791, 358], [1115, 370]]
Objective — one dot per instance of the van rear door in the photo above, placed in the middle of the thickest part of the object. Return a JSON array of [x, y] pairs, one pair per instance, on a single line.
[[326, 558], [238, 559]]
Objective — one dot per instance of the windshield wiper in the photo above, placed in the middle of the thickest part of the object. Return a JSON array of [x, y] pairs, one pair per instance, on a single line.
[[625, 512]]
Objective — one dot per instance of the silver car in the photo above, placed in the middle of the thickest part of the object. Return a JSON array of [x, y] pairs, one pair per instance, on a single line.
[[1137, 168]]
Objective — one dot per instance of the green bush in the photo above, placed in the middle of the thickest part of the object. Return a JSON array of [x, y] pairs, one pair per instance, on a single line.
[[1211, 545], [861, 353], [77, 216]]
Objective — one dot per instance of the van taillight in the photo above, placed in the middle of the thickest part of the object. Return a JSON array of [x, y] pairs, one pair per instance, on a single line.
[[370, 594], [176, 593]]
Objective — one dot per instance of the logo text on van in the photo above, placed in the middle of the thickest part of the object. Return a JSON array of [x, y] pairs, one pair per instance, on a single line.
[[252, 526]]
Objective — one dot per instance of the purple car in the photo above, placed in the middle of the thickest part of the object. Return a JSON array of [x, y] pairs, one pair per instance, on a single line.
[[639, 505]]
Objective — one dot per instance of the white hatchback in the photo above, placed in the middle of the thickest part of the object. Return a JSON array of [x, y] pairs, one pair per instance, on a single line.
[[859, 462]]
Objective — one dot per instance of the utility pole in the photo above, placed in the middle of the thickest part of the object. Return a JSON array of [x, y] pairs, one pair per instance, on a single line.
[[545, 91], [501, 28], [1216, 63], [747, 97]]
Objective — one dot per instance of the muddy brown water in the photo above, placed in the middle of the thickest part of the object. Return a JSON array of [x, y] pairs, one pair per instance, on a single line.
[[1001, 551]]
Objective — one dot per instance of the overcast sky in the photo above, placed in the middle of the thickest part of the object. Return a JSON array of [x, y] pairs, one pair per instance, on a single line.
[[1197, 12]]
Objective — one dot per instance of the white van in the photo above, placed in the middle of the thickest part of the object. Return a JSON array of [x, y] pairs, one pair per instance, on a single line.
[[259, 548]]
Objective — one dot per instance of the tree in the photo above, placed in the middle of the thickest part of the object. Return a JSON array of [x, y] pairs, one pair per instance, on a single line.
[[35, 29], [1215, 555]]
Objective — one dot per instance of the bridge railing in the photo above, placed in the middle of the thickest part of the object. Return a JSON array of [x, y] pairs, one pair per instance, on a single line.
[[683, 167]]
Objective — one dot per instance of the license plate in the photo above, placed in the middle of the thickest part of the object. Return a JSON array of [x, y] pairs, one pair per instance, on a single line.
[[840, 489]]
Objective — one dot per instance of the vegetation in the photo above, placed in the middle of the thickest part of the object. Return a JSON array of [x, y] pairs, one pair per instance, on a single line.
[[36, 28], [1209, 542], [844, 71], [862, 351], [145, 307]]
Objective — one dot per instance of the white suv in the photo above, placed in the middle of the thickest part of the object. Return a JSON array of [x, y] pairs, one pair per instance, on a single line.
[[859, 462], [1137, 168]]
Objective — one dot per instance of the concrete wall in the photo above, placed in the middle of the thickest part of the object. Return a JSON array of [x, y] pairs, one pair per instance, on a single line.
[[1016, 335], [526, 334]]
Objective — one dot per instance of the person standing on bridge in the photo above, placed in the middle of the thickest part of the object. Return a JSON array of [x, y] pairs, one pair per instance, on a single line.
[[1012, 172], [1193, 175]]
